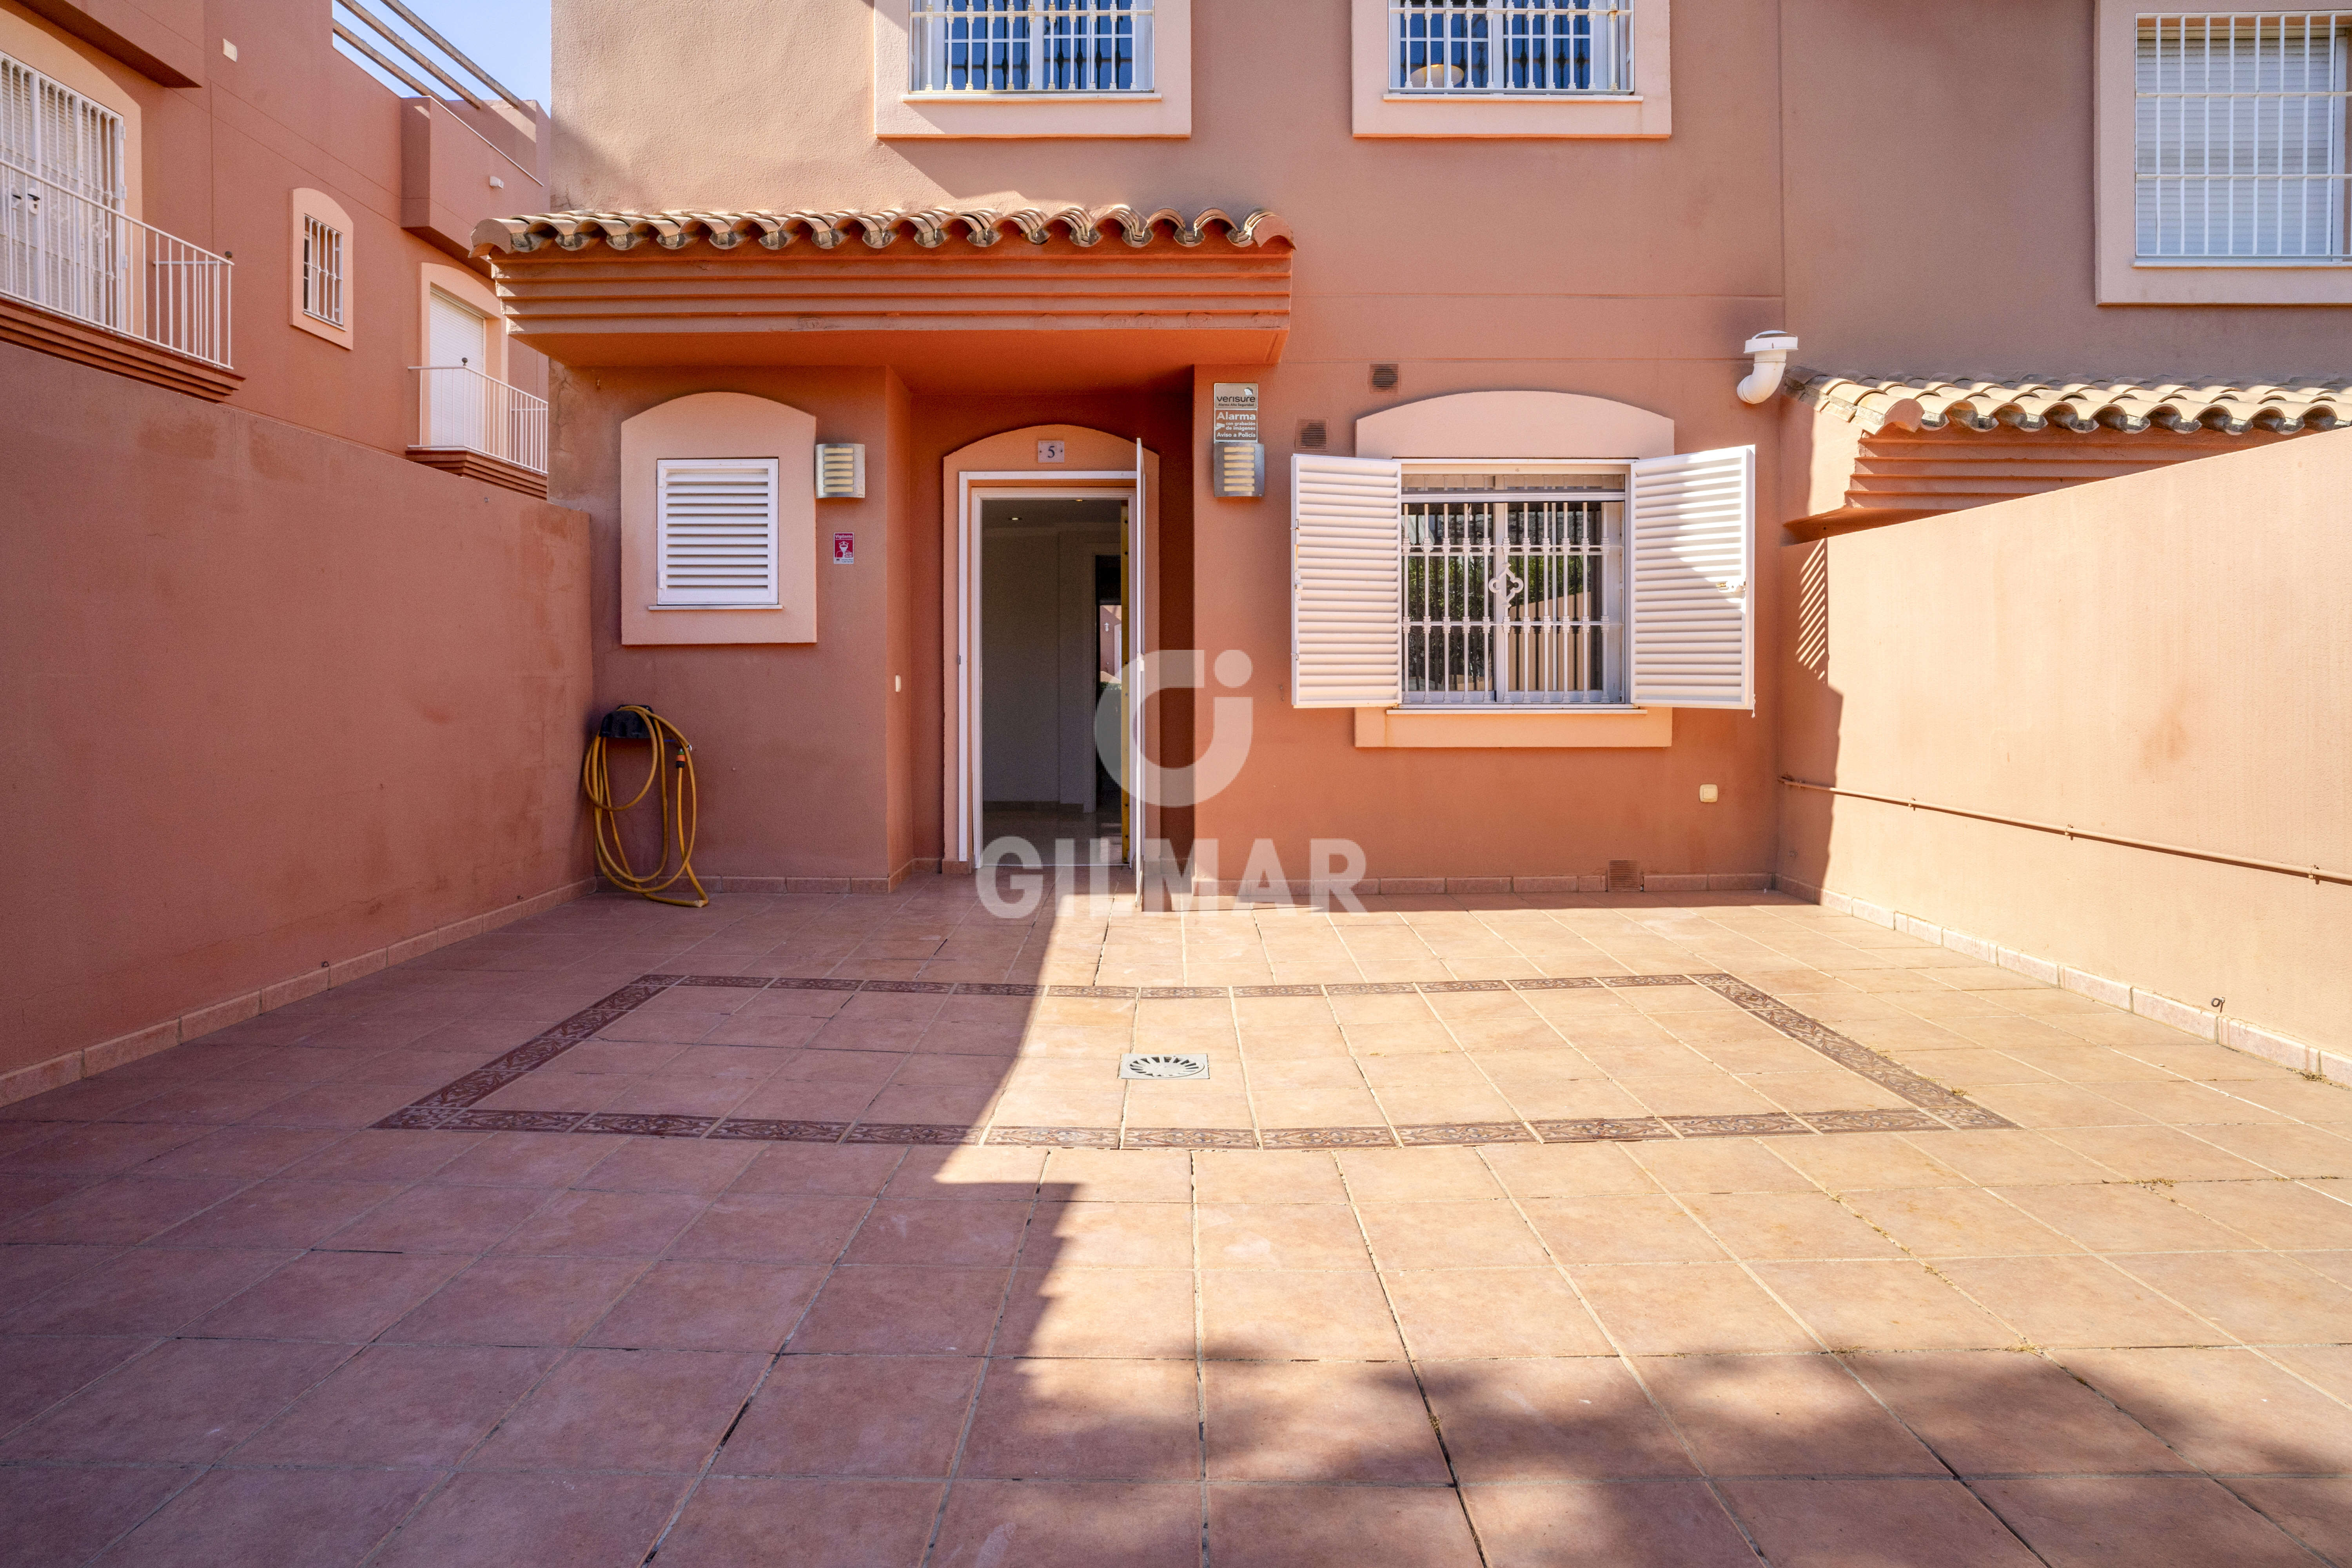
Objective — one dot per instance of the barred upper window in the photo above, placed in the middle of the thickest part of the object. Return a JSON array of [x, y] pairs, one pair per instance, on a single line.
[[323, 270], [1043, 47], [2239, 134], [1531, 47]]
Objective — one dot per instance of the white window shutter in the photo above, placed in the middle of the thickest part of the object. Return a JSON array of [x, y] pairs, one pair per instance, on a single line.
[[1691, 565], [1344, 581], [715, 531]]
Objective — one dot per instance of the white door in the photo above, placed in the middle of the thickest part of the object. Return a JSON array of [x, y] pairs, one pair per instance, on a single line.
[[456, 394]]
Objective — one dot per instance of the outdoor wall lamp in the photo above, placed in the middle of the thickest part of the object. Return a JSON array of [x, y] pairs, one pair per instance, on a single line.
[[1772, 350]]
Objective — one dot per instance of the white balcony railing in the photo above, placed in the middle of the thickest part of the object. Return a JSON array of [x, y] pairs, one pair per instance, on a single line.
[[65, 252], [458, 407], [1048, 48]]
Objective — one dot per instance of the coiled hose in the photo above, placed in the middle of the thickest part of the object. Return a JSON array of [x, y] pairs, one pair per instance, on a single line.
[[672, 774]]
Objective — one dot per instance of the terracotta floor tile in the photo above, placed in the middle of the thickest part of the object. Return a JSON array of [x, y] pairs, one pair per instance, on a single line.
[[1579, 1418], [807, 1524], [280, 1214], [1961, 1222], [105, 1148], [519, 1301], [276, 1519], [540, 1160], [1834, 1524], [818, 1171], [634, 1410], [1800, 1415], [400, 1405], [1279, 1235], [854, 1416], [759, 1228], [968, 1173], [348, 1297], [1687, 1308], [705, 1305], [2223, 1410], [123, 1211], [968, 1232], [1576, 1170], [36, 1373], [2157, 1155], [1106, 1235], [904, 1311], [1640, 1525], [186, 1400], [580, 1224], [1087, 1420], [670, 1165], [149, 1292], [431, 1218], [1652, 1229], [2317, 1513], [1065, 1526], [1866, 1161], [1338, 1527], [522, 1520], [2262, 1298], [1416, 1175], [2115, 1217], [2272, 1214], [1123, 1175], [1271, 1313], [1481, 1235], [2074, 1301], [2002, 1412], [1293, 1421], [1785, 1226], [1453, 1313], [2009, 1157], [1890, 1305], [69, 1513], [2146, 1522], [1717, 1165], [1108, 1312], [2289, 1151]]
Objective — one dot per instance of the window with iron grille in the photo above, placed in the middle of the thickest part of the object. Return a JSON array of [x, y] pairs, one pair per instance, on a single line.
[[2239, 130], [322, 271], [1043, 47], [1527, 48], [1512, 586]]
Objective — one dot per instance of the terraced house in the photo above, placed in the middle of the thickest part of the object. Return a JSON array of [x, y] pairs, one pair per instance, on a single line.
[[1437, 782]]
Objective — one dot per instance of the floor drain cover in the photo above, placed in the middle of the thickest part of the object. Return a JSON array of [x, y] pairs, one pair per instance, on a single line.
[[1164, 1065]]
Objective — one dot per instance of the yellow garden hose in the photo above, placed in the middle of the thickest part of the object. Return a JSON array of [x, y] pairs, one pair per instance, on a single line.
[[672, 774]]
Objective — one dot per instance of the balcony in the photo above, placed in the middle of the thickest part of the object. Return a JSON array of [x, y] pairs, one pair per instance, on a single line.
[[109, 290], [480, 427]]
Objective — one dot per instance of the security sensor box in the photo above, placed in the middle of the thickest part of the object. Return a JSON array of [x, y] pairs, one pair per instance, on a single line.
[[841, 470], [1236, 469]]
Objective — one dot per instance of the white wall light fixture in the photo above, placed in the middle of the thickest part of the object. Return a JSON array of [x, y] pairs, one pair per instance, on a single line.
[[841, 470]]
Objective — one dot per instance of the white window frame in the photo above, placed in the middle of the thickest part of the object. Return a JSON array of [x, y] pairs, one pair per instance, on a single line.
[[669, 595], [1466, 46], [1639, 104], [323, 269], [1023, 31], [1498, 695], [1159, 104], [92, 166], [2125, 277]]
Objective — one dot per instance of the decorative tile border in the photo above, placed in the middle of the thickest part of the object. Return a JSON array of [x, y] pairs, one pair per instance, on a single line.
[[453, 1107]]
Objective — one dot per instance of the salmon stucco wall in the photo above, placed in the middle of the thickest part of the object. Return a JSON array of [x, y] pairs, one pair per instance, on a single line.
[[2165, 657], [279, 700]]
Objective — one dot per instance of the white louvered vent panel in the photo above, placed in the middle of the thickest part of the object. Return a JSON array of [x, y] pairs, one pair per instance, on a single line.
[[1344, 581], [716, 538], [1690, 527]]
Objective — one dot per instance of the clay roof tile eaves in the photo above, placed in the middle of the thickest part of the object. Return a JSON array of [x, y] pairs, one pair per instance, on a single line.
[[928, 227], [1932, 402]]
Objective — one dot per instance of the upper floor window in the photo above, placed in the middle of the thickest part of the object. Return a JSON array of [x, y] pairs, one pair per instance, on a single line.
[[323, 270], [1518, 46], [2239, 138], [1038, 46], [59, 136]]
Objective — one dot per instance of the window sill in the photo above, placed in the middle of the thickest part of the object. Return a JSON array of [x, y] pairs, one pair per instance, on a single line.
[[668, 608], [2240, 263], [1498, 726], [1555, 98]]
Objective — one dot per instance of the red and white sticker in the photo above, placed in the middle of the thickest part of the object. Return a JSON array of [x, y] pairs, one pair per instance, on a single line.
[[845, 549]]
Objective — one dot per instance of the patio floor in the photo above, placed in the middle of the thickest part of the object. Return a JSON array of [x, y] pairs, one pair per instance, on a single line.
[[1689, 1230]]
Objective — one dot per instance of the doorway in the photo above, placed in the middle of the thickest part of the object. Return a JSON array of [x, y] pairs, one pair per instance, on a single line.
[[1053, 619], [456, 351]]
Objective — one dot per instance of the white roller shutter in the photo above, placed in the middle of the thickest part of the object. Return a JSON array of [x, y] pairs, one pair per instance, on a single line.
[[1344, 582], [1690, 534], [715, 531]]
